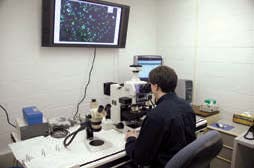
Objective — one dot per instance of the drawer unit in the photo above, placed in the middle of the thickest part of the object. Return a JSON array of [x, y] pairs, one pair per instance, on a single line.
[[228, 140], [226, 152], [224, 158]]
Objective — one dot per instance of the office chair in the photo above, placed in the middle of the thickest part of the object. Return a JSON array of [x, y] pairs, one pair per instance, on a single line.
[[199, 153]]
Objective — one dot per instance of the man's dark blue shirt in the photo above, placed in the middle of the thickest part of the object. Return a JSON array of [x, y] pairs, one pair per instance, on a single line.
[[166, 129]]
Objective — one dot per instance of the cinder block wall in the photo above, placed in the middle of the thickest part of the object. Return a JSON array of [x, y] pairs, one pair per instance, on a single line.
[[211, 42]]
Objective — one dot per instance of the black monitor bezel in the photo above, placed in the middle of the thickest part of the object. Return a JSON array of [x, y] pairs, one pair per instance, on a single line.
[[48, 16]]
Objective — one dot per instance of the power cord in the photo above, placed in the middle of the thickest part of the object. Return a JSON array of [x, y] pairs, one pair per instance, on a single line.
[[150, 99], [7, 116], [68, 140], [85, 125], [89, 79]]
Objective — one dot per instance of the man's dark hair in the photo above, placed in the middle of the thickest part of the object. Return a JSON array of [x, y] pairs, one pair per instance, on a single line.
[[165, 77]]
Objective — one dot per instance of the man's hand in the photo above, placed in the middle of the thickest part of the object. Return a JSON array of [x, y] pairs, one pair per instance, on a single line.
[[131, 133]]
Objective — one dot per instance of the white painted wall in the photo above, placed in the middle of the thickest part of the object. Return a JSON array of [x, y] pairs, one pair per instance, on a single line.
[[53, 79], [211, 42]]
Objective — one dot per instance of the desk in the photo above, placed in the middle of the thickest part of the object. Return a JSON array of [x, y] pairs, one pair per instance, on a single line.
[[210, 117], [46, 152], [41, 152], [224, 158], [243, 155]]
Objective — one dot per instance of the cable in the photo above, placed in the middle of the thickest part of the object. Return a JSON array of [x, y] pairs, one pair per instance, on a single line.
[[152, 103], [89, 79], [150, 99], [72, 135], [7, 116], [102, 158]]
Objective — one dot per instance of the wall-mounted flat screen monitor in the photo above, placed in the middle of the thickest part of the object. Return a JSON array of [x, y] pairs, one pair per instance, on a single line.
[[89, 23], [148, 63]]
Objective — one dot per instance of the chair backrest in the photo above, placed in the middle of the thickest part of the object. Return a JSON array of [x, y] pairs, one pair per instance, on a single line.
[[199, 153]]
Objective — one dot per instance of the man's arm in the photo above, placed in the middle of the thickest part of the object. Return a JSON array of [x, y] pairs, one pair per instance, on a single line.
[[144, 149]]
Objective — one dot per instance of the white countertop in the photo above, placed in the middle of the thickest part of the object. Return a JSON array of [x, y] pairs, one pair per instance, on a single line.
[[46, 152]]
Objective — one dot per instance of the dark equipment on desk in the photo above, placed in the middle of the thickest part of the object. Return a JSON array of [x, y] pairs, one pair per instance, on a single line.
[[106, 87], [58, 132], [108, 111], [132, 114], [131, 111], [32, 124], [134, 123], [247, 135], [119, 125], [96, 142], [25, 131], [146, 88], [184, 89], [125, 100]]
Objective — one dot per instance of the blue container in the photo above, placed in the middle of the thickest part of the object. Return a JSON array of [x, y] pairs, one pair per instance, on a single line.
[[32, 115]]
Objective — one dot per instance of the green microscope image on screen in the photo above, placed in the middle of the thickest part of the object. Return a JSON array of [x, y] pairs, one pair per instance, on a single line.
[[81, 21]]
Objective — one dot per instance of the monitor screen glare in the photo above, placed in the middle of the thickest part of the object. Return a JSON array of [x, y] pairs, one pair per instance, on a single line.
[[147, 66]]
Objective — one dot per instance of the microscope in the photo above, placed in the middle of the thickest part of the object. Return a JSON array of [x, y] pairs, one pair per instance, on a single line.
[[131, 100]]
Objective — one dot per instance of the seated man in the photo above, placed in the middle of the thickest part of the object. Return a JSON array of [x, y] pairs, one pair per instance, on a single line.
[[167, 128]]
